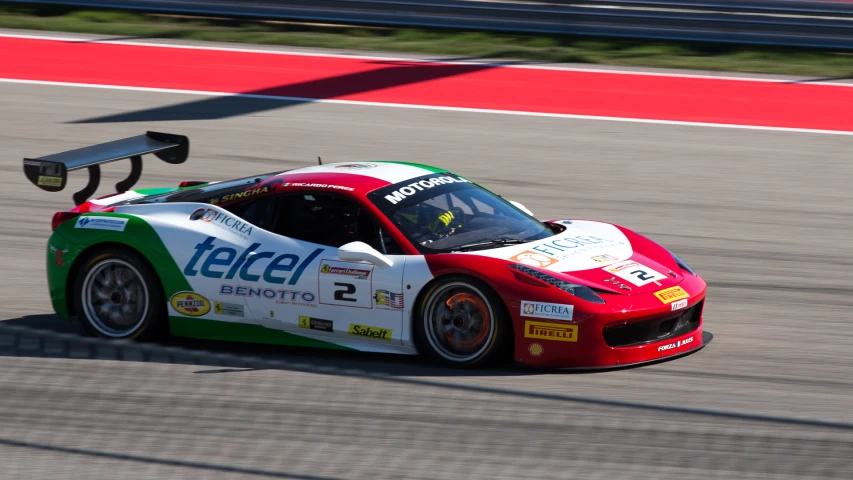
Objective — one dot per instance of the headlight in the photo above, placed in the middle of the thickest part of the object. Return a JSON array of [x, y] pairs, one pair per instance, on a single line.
[[681, 264], [581, 291]]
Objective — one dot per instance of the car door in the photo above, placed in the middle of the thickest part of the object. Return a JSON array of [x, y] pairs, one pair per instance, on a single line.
[[343, 302]]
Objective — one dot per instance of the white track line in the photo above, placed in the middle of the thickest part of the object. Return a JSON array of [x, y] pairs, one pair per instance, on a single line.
[[791, 80], [428, 107]]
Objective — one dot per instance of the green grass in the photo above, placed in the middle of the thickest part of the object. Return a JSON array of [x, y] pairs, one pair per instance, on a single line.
[[551, 48]]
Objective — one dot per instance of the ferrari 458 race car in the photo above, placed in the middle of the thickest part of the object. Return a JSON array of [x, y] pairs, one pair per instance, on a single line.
[[372, 256]]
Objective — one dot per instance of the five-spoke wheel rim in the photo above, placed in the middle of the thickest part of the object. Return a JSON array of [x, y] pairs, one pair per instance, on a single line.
[[115, 298], [459, 322]]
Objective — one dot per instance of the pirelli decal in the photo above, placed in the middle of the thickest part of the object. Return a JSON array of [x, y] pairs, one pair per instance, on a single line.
[[670, 295], [551, 331]]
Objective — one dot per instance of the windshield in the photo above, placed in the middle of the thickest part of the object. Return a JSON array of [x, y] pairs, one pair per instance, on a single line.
[[444, 213]]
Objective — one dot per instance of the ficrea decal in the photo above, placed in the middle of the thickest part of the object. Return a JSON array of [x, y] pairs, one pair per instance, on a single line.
[[228, 222], [190, 303], [533, 259]]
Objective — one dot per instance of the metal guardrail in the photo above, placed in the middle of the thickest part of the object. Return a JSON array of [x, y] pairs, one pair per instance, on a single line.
[[77, 407], [801, 23]]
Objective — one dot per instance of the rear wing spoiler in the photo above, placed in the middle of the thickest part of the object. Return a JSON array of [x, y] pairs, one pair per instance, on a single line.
[[50, 173]]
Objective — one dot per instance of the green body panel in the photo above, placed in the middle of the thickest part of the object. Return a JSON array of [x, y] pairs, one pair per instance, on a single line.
[[57, 275], [140, 236], [241, 332], [137, 235]]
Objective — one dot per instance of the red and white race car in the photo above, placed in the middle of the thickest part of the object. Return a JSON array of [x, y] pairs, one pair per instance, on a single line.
[[372, 256]]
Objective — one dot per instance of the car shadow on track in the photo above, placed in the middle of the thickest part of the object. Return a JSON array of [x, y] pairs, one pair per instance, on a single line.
[[388, 74], [372, 363], [315, 359]]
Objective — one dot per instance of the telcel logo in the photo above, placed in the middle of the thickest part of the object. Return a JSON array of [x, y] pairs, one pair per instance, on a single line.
[[233, 263]]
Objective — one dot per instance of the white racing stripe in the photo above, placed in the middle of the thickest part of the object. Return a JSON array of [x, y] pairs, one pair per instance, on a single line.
[[430, 107]]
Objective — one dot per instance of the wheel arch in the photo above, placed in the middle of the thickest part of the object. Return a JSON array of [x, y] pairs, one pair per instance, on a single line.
[[490, 284], [79, 261]]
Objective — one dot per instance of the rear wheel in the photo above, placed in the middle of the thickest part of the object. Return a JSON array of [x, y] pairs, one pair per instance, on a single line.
[[118, 295], [462, 323]]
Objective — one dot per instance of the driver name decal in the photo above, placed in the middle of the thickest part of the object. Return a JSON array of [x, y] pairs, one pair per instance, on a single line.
[[401, 193]]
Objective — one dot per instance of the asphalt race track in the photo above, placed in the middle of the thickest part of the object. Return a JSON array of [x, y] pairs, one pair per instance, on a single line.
[[764, 216]]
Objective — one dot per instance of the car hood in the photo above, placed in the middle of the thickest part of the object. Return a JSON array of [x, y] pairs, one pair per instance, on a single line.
[[599, 255]]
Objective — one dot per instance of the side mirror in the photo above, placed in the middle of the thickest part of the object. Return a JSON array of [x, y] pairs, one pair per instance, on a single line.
[[521, 207], [362, 252]]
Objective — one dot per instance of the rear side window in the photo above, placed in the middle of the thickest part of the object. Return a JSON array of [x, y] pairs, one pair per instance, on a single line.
[[317, 218]]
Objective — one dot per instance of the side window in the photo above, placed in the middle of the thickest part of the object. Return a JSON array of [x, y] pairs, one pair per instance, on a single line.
[[329, 220], [257, 211]]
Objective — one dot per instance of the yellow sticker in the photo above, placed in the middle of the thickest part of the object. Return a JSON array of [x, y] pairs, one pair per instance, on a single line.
[[551, 331], [50, 181], [670, 295], [371, 332], [190, 303]]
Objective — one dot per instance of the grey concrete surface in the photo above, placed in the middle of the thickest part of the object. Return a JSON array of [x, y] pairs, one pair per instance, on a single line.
[[763, 216]]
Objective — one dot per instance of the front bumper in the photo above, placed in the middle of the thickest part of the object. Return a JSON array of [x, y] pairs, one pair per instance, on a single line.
[[627, 330]]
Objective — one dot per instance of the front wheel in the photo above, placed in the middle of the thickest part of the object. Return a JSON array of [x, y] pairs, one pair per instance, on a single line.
[[118, 295], [462, 323]]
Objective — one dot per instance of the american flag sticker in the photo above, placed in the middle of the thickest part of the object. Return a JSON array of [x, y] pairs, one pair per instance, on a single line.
[[387, 299]]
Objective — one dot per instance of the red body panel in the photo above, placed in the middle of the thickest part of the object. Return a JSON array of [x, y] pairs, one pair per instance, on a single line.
[[587, 347]]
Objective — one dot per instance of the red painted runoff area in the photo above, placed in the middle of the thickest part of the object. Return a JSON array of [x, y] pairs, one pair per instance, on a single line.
[[554, 91]]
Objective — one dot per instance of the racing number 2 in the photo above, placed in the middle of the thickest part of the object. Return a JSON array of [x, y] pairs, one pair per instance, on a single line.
[[344, 292], [640, 274]]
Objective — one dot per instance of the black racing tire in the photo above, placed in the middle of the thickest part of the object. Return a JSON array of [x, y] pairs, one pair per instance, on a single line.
[[461, 322], [117, 295]]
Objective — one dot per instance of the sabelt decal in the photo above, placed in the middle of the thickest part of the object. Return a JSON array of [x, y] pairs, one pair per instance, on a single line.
[[370, 332], [226, 263], [536, 349], [48, 181], [316, 324], [550, 331], [190, 303], [636, 273], [679, 304], [674, 345], [401, 193], [102, 223], [228, 223], [670, 295], [533, 259], [281, 296], [387, 299], [32, 163], [232, 309], [556, 311]]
